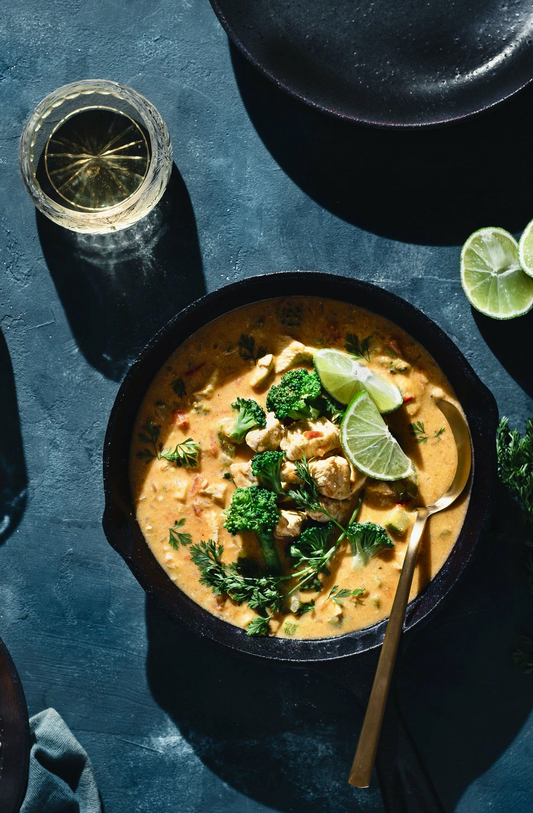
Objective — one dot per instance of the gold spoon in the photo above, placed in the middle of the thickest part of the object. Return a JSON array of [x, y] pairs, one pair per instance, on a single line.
[[365, 755]]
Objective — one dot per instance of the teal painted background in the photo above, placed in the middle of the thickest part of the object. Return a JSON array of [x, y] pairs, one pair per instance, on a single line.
[[261, 184]]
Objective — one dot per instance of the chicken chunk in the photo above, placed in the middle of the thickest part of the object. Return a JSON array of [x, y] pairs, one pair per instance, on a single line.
[[332, 476], [288, 473], [294, 353], [267, 439], [339, 510], [310, 438], [290, 524], [242, 475], [261, 371], [217, 492]]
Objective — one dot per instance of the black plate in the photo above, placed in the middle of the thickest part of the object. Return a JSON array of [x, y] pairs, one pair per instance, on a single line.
[[411, 63], [14, 736], [125, 536]]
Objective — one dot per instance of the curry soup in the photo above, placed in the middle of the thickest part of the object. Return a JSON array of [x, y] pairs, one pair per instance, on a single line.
[[242, 354]]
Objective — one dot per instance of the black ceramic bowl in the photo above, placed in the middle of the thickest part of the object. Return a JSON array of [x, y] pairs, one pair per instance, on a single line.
[[14, 736], [125, 535], [405, 785], [390, 64]]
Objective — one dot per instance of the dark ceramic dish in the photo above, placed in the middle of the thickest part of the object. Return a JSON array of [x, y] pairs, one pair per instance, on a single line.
[[125, 535], [14, 736], [378, 62]]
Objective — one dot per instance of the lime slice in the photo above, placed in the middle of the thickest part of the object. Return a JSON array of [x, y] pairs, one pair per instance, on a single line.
[[491, 275], [525, 249], [368, 443], [343, 377]]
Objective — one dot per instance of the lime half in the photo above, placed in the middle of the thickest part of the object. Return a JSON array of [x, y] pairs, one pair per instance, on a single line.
[[368, 443], [343, 377], [525, 249], [492, 277]]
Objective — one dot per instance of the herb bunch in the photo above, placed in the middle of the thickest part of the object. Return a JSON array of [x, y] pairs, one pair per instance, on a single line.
[[515, 470]]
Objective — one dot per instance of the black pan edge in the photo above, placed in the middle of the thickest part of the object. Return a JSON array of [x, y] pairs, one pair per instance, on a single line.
[[15, 737], [121, 528], [339, 114]]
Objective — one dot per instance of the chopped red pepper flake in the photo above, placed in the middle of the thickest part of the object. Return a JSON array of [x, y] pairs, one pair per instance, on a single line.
[[194, 370]]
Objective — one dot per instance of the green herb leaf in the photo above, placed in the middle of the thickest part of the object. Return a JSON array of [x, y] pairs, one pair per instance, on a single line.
[[247, 349], [179, 387], [306, 496], [259, 626], [149, 434], [336, 594], [176, 538], [360, 350], [184, 455], [305, 607], [418, 431]]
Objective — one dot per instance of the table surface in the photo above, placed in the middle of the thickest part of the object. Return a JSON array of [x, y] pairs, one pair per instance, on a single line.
[[260, 183]]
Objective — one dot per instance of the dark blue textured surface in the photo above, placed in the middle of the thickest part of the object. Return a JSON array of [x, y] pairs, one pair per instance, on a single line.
[[261, 184]]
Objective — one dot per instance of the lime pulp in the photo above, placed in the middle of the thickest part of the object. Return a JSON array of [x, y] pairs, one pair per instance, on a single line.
[[369, 444], [525, 249], [491, 276], [343, 377]]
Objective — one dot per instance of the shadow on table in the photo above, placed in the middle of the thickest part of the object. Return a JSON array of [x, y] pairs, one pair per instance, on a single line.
[[509, 340], [118, 289], [13, 476], [286, 737], [431, 186], [473, 701]]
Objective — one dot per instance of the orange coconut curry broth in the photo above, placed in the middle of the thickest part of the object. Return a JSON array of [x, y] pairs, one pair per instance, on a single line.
[[242, 355]]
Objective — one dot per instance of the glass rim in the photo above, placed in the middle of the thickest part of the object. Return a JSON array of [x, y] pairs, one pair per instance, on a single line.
[[159, 145]]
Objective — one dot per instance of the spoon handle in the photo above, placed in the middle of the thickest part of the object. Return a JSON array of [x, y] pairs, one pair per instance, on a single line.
[[365, 756]]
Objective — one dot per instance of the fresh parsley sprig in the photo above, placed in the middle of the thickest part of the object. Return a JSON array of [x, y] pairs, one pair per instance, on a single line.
[[177, 537], [337, 593], [262, 593], [360, 350], [184, 455], [247, 349]]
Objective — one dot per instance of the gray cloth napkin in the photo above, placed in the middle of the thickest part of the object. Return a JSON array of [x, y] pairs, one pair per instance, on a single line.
[[61, 778]]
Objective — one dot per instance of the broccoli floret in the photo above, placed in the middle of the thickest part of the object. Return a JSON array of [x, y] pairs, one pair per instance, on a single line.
[[254, 509], [249, 416], [293, 396], [266, 466], [366, 540]]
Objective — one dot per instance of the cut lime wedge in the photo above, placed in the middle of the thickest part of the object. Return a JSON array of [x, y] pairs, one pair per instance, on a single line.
[[343, 377], [492, 277], [525, 249], [368, 443]]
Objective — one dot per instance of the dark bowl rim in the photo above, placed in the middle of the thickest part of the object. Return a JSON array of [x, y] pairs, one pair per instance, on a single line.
[[339, 114], [126, 538], [15, 739]]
